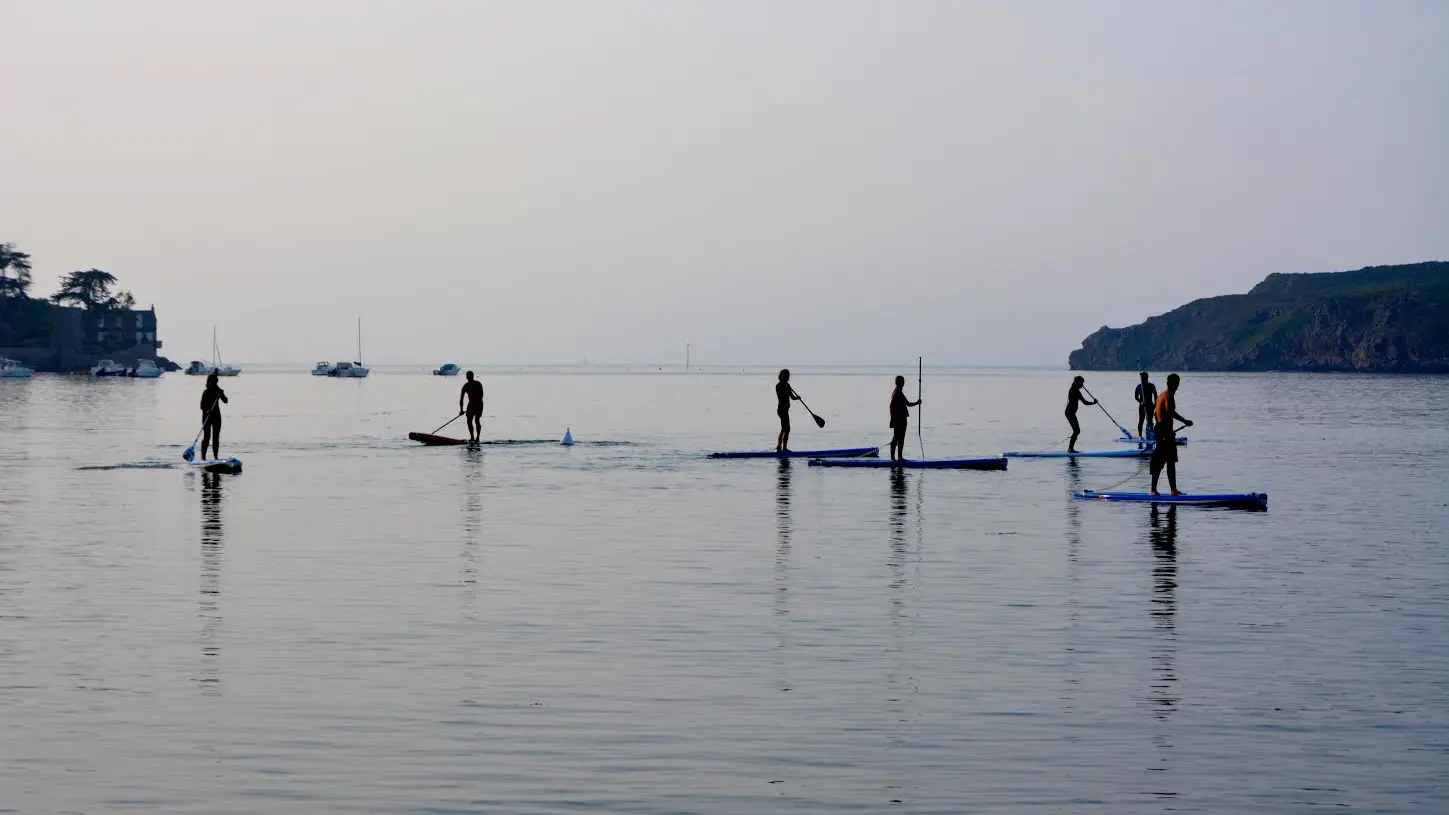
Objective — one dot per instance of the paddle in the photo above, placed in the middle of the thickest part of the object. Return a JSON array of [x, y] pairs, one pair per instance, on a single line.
[[1126, 434], [445, 424], [919, 439], [819, 422], [190, 452]]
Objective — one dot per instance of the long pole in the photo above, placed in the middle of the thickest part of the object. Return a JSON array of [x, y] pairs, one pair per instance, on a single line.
[[359, 340], [920, 414]]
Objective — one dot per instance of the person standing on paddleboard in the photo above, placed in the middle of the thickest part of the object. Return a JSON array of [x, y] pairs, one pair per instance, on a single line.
[[1146, 396], [783, 395], [1164, 452], [900, 413], [473, 392], [211, 400], [1074, 398]]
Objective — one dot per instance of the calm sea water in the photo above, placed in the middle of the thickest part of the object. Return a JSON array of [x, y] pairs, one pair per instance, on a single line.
[[359, 624]]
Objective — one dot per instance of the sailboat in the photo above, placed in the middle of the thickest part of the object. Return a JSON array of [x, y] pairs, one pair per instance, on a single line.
[[199, 368], [352, 369]]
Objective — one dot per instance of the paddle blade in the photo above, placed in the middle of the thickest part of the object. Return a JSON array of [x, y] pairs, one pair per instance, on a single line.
[[819, 422], [190, 453]]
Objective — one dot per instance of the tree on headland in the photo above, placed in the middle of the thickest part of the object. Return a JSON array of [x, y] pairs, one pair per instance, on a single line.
[[13, 261], [92, 290]]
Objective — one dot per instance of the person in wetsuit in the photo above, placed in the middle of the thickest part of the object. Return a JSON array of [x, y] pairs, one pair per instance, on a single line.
[[1164, 453], [900, 413], [473, 392], [1074, 398], [783, 395], [211, 400], [1146, 396]]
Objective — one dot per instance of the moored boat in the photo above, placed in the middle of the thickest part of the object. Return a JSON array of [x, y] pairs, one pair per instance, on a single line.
[[322, 369], [11, 369], [199, 368], [108, 367], [349, 370], [146, 369], [447, 369]]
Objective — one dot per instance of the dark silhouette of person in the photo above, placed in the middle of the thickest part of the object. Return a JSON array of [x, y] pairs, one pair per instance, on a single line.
[[1164, 452], [1075, 397], [473, 392], [900, 417], [783, 395], [211, 400], [1145, 395]]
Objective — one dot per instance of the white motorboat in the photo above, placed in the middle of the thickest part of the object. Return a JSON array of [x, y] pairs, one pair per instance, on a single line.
[[199, 368], [11, 369], [322, 369], [447, 369], [146, 369]]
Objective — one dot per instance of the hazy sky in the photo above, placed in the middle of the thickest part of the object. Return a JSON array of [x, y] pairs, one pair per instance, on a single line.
[[775, 182]]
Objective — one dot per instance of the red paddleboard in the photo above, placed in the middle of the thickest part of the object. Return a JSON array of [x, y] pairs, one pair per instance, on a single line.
[[429, 438]]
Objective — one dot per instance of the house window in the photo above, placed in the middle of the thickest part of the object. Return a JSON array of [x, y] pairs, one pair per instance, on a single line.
[[138, 320]]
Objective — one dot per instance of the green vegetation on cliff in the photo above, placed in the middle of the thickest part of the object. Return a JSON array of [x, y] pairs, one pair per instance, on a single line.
[[1387, 319]]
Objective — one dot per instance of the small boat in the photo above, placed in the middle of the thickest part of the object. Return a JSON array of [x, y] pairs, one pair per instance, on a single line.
[[1141, 452], [435, 440], [847, 452], [1232, 500], [322, 369], [447, 369], [11, 369], [995, 463], [108, 367], [199, 368], [348, 370], [1124, 440], [146, 369], [218, 465], [352, 370]]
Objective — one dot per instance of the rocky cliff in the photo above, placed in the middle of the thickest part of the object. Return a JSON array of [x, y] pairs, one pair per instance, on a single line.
[[1387, 319]]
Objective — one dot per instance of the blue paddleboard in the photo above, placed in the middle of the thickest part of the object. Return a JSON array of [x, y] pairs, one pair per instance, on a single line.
[[1180, 440], [847, 452], [1238, 500], [997, 463], [1133, 453], [219, 465]]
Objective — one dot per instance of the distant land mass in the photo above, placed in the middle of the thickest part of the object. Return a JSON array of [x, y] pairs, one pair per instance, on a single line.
[[1379, 319]]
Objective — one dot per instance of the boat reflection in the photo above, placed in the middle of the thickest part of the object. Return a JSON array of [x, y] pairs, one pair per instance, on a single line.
[[209, 603]]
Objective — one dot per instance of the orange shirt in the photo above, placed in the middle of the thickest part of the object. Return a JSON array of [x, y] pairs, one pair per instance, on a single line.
[[1165, 407]]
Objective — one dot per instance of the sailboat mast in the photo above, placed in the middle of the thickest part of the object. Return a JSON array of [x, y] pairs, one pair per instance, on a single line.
[[359, 340]]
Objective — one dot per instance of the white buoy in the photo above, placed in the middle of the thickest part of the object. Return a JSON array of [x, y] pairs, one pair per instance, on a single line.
[[568, 439]]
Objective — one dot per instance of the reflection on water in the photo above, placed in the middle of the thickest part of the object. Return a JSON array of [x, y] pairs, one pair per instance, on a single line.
[[897, 559], [1162, 533], [781, 608], [782, 547], [209, 604], [1072, 674], [472, 520]]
